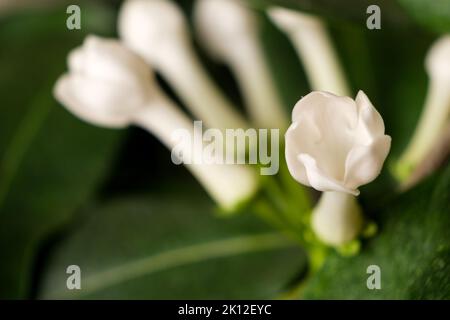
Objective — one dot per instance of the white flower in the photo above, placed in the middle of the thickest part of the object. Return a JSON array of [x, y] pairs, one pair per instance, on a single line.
[[437, 61], [336, 143], [108, 85], [222, 23], [230, 32], [436, 112], [159, 33]]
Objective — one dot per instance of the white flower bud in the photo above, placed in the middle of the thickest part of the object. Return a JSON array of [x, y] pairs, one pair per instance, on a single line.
[[229, 30], [336, 143], [435, 115], [223, 23], [309, 36], [158, 31], [437, 62], [108, 85]]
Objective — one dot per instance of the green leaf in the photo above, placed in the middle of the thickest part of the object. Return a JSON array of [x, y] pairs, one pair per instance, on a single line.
[[50, 162], [172, 248], [435, 15], [350, 11], [412, 251]]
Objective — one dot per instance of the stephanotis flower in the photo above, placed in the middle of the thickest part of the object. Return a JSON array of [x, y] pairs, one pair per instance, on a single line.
[[436, 111], [108, 85], [336, 143], [308, 34]]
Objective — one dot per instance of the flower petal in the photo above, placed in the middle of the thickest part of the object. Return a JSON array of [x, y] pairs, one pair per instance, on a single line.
[[320, 181], [319, 103], [90, 100], [295, 167], [364, 163], [368, 118], [301, 137], [109, 60], [336, 120], [76, 60]]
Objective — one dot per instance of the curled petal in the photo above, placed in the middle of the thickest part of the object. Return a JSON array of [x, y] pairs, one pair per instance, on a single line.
[[320, 181], [368, 117], [363, 162], [300, 137], [296, 169]]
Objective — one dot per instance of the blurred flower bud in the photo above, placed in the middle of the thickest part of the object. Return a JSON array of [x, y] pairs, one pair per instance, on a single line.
[[435, 114], [106, 83], [437, 62]]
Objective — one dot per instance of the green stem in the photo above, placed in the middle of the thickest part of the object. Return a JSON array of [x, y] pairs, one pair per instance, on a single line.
[[268, 213], [316, 257], [20, 143]]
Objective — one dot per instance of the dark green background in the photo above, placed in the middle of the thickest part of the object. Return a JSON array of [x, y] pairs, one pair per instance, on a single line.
[[77, 194]]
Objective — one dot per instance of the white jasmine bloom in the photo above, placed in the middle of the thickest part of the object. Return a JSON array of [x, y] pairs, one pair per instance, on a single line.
[[437, 62], [159, 33], [336, 143], [108, 85]]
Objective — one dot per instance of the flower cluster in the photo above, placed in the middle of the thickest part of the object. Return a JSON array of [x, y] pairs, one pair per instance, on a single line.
[[335, 144], [108, 85]]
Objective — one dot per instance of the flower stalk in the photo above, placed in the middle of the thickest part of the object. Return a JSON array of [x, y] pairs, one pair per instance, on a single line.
[[229, 185], [229, 30], [158, 32], [107, 85], [435, 114], [310, 38], [337, 219]]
